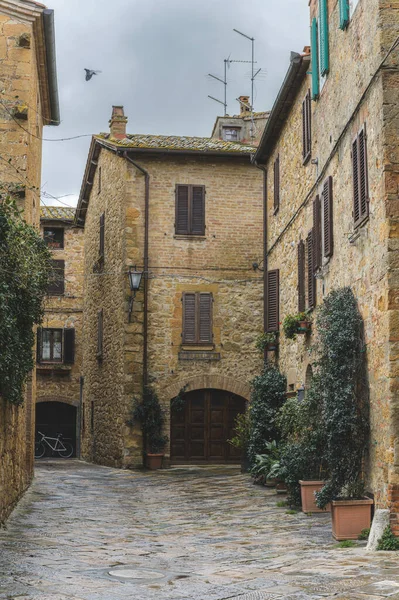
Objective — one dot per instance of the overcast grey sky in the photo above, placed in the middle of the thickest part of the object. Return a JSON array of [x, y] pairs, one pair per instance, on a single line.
[[155, 56]]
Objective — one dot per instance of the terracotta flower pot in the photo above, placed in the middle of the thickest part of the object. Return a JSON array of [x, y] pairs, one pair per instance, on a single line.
[[154, 461], [308, 489], [349, 517], [281, 487], [304, 326]]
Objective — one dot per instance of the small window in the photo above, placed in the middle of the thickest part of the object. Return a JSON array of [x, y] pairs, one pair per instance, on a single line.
[[100, 334], [99, 179], [56, 345], [197, 318], [306, 128], [276, 172], [311, 270], [54, 237], [273, 300], [231, 134], [190, 210], [101, 250], [57, 279], [360, 178], [352, 6], [301, 277]]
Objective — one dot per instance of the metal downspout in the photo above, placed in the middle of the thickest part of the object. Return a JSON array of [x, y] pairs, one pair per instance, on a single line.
[[146, 247], [49, 35], [265, 254]]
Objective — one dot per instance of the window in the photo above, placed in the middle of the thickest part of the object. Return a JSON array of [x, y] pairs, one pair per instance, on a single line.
[[57, 285], [197, 318], [101, 250], [320, 54], [273, 301], [306, 128], [56, 346], [360, 178], [316, 233], [276, 171], [311, 270], [231, 134], [99, 179], [100, 334], [301, 277], [328, 241], [352, 6], [343, 14], [54, 237], [190, 210]]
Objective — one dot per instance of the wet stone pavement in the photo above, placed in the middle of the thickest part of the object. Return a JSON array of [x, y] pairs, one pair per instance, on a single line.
[[86, 532]]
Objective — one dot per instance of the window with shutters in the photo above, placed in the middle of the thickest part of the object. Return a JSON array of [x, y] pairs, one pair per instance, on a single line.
[[311, 279], [301, 277], [100, 334], [273, 301], [328, 241], [54, 237], [197, 318], [324, 44], [99, 180], [57, 278], [101, 249], [276, 172], [190, 210], [315, 59], [306, 128], [56, 345], [360, 178], [316, 233]]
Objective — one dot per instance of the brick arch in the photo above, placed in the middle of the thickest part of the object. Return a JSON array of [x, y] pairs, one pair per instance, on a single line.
[[217, 382], [63, 399]]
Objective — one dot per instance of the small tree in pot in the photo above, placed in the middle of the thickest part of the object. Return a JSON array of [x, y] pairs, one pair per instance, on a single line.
[[150, 414]]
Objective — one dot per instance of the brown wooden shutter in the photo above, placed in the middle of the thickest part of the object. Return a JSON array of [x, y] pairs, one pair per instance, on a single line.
[[277, 184], [182, 210], [301, 277], [189, 321], [100, 333], [328, 217], [360, 178], [197, 210], [273, 300], [205, 318], [316, 233], [311, 277], [306, 127], [102, 236], [39, 345], [57, 279], [69, 346]]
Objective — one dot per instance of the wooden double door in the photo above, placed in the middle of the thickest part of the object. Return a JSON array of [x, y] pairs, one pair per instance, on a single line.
[[199, 432]]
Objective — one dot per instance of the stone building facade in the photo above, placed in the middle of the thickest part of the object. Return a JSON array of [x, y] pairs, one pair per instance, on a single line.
[[59, 347], [332, 135], [28, 101], [202, 258]]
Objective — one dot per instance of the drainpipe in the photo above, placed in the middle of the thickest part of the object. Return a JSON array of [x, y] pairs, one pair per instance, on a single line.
[[146, 245], [265, 257]]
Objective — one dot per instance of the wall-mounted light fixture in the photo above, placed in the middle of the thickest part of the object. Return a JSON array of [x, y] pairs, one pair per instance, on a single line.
[[135, 278]]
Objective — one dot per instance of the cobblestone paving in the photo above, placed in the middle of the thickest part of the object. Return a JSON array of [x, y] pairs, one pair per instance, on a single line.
[[86, 532]]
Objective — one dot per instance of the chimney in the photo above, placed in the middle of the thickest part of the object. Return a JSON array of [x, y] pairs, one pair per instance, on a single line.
[[118, 123], [245, 107]]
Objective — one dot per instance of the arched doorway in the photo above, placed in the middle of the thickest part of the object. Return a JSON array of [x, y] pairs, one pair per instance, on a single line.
[[200, 430], [53, 418]]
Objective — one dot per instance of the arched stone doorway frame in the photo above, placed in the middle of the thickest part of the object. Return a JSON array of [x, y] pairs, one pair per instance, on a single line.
[[70, 402], [206, 382]]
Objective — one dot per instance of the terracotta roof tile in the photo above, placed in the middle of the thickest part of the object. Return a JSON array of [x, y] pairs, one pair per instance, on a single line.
[[57, 212]]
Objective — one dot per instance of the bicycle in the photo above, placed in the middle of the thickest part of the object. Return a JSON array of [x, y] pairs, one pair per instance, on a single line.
[[64, 449]]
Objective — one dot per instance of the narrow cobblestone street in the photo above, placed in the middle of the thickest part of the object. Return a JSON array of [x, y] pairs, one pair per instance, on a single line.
[[86, 532]]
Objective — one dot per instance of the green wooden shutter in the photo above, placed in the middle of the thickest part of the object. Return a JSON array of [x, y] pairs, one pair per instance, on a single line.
[[324, 45], [315, 61], [343, 14]]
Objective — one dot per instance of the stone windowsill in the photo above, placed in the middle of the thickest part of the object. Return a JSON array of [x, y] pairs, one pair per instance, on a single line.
[[194, 238], [193, 355], [51, 367]]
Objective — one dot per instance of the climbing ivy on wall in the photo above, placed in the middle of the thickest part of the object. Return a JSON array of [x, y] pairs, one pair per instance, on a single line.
[[25, 268]]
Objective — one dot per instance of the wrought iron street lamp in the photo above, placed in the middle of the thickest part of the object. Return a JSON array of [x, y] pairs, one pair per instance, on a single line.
[[135, 278]]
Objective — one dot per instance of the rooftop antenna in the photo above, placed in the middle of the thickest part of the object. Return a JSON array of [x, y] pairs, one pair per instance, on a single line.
[[224, 81], [253, 76]]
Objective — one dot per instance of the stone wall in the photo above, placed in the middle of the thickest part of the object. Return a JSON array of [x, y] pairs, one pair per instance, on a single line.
[[360, 260]]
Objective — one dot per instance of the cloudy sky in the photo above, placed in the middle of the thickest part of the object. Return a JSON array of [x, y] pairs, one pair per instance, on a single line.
[[155, 56]]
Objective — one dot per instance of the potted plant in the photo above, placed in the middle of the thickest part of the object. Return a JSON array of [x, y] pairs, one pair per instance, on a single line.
[[265, 470], [149, 413], [240, 439], [267, 342], [294, 324]]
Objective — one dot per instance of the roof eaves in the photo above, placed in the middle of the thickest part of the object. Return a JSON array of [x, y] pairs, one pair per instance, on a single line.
[[296, 73]]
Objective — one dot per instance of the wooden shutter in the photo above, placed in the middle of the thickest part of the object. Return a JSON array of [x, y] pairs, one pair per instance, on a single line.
[[182, 210], [69, 346], [324, 41], [343, 14], [100, 333], [306, 127], [57, 284], [311, 277], [315, 60], [301, 277], [189, 321], [328, 217], [273, 300], [360, 178], [277, 184], [102, 236], [39, 345], [316, 233], [205, 318], [197, 210]]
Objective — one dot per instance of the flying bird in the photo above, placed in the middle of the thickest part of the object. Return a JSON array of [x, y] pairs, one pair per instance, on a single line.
[[90, 73]]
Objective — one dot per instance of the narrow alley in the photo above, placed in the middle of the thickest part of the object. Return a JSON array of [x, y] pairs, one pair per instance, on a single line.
[[85, 532]]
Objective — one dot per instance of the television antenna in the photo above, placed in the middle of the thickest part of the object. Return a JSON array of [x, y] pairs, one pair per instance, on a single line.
[[227, 62], [253, 75]]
